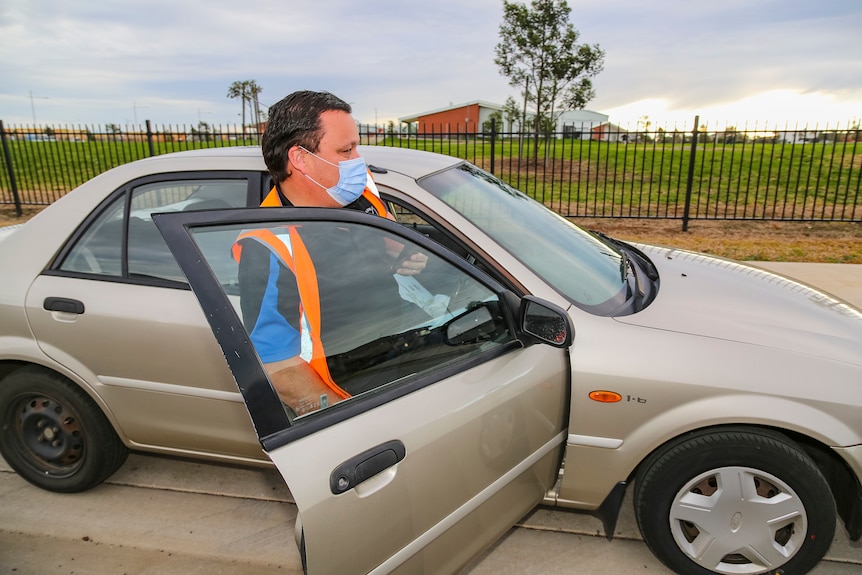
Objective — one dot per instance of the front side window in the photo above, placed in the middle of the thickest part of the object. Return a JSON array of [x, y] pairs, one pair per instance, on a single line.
[[325, 300], [123, 241]]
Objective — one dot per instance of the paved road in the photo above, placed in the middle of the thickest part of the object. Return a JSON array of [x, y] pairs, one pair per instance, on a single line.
[[166, 516]]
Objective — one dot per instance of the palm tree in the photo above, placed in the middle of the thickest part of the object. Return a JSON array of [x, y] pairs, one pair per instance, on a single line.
[[253, 91], [239, 90], [247, 90]]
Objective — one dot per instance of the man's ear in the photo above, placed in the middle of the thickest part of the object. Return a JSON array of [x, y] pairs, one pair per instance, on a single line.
[[296, 159]]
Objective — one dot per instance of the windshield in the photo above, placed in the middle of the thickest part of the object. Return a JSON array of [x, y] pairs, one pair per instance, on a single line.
[[588, 271]]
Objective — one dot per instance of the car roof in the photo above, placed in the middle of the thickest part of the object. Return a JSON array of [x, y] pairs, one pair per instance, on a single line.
[[407, 161], [410, 162]]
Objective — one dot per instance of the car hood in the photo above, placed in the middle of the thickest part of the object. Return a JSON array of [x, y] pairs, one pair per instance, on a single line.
[[7, 231], [712, 297]]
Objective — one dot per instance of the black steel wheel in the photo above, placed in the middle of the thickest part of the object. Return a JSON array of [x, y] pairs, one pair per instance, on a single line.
[[53, 434], [732, 501]]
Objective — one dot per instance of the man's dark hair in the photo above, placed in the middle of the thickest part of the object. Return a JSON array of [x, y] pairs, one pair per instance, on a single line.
[[295, 121]]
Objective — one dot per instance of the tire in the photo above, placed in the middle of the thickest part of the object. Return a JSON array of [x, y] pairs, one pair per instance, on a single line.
[[734, 500], [53, 434]]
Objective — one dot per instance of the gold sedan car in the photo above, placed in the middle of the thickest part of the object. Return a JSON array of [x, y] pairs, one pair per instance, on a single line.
[[531, 362]]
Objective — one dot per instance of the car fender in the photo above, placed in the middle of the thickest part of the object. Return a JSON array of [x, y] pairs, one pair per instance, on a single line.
[[619, 457], [24, 351], [671, 383]]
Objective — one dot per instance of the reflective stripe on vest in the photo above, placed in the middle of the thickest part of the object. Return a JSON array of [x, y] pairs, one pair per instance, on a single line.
[[292, 253]]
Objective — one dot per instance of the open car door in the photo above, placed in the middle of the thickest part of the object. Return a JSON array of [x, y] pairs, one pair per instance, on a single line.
[[455, 390]]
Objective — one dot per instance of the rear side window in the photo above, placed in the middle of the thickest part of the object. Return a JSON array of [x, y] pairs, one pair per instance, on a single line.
[[123, 240]]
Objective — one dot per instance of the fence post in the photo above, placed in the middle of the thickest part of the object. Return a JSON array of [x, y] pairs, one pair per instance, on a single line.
[[150, 139], [7, 157], [493, 141], [690, 179]]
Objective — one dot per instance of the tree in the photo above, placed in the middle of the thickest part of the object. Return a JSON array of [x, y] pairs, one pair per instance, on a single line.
[[497, 117], [238, 90], [511, 112], [253, 92], [247, 91], [644, 124], [202, 133], [538, 50], [114, 131]]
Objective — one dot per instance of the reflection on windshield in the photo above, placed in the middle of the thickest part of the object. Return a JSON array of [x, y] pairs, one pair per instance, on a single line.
[[580, 265]]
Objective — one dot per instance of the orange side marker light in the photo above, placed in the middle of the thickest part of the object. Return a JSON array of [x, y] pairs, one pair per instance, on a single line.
[[603, 396]]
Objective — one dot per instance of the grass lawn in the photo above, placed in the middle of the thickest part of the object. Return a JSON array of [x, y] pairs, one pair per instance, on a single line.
[[633, 191]]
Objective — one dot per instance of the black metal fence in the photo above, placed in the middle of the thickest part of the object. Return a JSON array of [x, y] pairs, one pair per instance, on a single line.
[[791, 174]]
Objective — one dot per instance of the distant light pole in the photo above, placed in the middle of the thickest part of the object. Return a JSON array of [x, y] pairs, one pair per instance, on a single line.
[[135, 109], [33, 106]]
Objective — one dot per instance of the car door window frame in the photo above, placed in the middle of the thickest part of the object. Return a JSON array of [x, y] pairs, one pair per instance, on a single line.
[[273, 426]]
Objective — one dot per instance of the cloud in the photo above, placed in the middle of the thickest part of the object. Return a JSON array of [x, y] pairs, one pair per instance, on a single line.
[[111, 60], [701, 54]]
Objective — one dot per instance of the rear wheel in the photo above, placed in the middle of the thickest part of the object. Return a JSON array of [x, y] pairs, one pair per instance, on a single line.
[[53, 434], [734, 501]]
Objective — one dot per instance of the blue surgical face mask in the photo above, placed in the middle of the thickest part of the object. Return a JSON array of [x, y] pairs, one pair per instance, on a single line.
[[352, 178]]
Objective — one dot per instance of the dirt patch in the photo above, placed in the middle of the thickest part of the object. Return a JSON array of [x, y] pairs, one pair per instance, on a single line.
[[829, 242], [8, 217]]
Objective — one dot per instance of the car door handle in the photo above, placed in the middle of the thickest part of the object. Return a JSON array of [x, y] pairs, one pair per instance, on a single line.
[[63, 304], [365, 466]]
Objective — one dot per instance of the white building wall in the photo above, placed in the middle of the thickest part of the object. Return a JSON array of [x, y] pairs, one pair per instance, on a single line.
[[580, 122]]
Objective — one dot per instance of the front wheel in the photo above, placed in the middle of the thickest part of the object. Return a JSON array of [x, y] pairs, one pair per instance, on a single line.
[[734, 501], [53, 434]]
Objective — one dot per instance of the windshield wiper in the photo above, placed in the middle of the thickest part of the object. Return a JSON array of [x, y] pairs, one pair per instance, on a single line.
[[649, 269], [638, 263], [630, 271]]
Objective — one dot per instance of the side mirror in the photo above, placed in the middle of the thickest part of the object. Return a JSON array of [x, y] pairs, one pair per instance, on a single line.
[[545, 322]]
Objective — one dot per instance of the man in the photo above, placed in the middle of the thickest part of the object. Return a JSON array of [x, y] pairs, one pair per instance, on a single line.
[[310, 149]]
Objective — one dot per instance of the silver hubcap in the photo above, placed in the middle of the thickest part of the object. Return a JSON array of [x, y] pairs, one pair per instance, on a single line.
[[738, 520]]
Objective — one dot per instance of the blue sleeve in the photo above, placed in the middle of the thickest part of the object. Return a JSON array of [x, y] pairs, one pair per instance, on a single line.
[[273, 336]]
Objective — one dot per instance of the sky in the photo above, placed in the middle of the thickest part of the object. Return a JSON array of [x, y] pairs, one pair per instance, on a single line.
[[746, 63]]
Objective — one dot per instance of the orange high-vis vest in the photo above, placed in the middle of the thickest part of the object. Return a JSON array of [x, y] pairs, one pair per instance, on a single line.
[[292, 253]]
